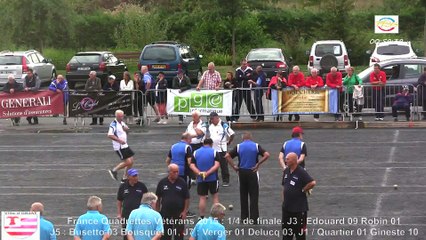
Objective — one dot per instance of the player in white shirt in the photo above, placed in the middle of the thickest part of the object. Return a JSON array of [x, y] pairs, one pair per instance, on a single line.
[[118, 134], [222, 135]]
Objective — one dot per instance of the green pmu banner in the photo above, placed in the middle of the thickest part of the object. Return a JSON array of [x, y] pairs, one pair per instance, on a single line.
[[205, 101]]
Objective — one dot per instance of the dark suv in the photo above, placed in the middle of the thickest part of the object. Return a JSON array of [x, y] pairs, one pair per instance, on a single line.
[[168, 57], [104, 63]]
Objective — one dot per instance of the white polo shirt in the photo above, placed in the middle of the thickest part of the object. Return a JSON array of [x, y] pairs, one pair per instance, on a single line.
[[116, 128], [191, 130], [220, 135]]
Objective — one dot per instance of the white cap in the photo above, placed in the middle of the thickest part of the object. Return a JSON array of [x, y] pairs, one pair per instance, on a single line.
[[112, 76]]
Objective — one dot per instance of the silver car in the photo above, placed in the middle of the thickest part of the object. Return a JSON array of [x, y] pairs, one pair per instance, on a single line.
[[18, 63]]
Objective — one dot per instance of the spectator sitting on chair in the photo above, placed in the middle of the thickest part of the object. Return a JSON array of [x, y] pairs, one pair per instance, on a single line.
[[60, 85], [11, 87], [402, 102]]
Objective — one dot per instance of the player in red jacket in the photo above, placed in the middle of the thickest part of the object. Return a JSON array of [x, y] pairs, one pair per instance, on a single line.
[[378, 80], [334, 80], [314, 81], [296, 79]]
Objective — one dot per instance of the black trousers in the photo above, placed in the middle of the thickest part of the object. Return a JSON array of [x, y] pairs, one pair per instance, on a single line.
[[173, 227], [249, 189], [95, 120], [246, 96], [405, 108], [379, 101], [224, 170], [35, 119], [294, 225], [139, 104], [258, 95]]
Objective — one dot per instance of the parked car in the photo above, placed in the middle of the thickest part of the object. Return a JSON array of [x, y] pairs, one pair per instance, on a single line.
[[104, 63], [391, 50], [272, 60], [399, 72], [327, 54], [169, 57], [18, 63]]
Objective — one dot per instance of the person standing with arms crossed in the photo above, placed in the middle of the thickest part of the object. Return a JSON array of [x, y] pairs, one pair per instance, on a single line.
[[205, 164], [118, 134], [93, 84], [296, 184], [173, 203], [247, 169], [129, 197], [295, 145]]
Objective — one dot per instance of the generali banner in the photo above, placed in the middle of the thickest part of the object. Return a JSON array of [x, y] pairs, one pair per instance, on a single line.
[[99, 104], [30, 104]]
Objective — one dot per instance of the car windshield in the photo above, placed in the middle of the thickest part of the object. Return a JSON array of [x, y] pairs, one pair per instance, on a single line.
[[264, 55], [326, 49], [366, 73], [159, 53], [10, 60], [393, 50], [85, 59]]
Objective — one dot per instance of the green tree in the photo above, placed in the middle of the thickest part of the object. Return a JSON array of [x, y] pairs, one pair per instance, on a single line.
[[38, 23]]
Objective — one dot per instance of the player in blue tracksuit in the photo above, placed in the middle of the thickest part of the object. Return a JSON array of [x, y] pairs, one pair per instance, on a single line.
[[248, 153], [295, 145], [205, 163], [181, 154]]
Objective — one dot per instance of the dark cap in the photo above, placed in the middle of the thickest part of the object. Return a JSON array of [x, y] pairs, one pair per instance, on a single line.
[[297, 129], [132, 172], [214, 114]]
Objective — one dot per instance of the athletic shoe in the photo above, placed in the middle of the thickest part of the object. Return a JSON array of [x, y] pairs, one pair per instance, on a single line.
[[193, 182], [360, 118], [156, 120], [316, 119], [113, 174], [123, 180], [395, 119], [190, 214], [377, 119], [225, 184], [381, 119], [180, 122]]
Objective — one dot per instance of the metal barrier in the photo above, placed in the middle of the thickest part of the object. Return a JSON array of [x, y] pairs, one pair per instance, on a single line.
[[95, 104], [421, 101], [253, 103], [378, 101]]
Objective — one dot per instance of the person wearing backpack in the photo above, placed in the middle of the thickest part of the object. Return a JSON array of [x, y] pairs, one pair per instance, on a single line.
[[222, 135]]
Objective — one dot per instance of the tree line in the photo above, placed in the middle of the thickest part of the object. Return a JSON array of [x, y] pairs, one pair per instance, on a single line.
[[222, 30]]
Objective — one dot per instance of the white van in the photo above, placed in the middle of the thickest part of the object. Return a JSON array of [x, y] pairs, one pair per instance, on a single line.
[[327, 54], [391, 50]]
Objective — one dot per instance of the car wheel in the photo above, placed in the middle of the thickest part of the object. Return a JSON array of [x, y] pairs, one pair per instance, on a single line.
[[327, 62], [199, 74], [53, 74], [71, 85]]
